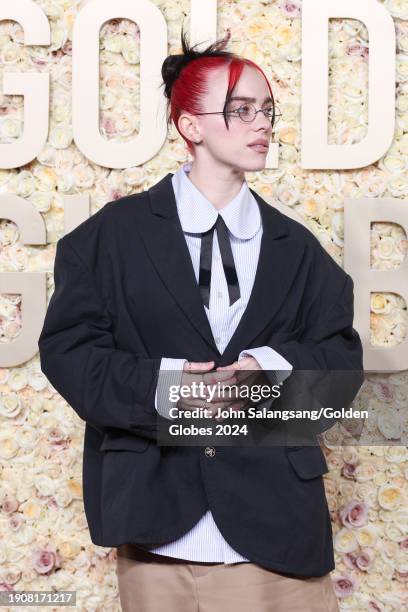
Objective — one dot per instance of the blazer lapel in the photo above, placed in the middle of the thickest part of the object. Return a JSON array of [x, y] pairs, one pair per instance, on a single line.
[[278, 263], [167, 247]]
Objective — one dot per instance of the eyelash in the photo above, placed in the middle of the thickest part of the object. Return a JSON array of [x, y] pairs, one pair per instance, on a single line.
[[234, 110]]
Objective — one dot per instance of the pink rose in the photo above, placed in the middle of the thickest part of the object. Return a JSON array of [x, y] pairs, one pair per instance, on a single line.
[[115, 194], [350, 560], [45, 560], [15, 522], [383, 391], [67, 47], [355, 514], [344, 585], [365, 559], [374, 605], [358, 49], [401, 576], [404, 544], [348, 471], [57, 439], [291, 8], [11, 577], [108, 125], [9, 505]]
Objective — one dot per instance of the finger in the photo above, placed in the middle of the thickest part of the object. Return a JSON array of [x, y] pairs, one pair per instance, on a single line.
[[195, 367], [214, 377], [193, 403], [226, 395], [228, 367], [246, 375], [237, 365]]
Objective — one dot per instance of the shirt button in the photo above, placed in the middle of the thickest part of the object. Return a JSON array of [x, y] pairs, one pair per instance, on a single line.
[[209, 451], [219, 294]]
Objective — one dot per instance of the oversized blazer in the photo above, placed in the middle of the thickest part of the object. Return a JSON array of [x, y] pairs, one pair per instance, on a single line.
[[125, 296]]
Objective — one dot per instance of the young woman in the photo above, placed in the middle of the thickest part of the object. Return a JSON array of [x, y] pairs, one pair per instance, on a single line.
[[199, 279]]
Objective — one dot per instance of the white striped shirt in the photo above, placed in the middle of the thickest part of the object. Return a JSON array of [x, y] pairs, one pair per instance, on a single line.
[[204, 542]]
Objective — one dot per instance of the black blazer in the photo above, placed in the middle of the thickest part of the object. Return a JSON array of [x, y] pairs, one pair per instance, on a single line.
[[125, 296]]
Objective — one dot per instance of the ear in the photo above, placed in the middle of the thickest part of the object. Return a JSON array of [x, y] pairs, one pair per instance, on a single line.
[[187, 124]]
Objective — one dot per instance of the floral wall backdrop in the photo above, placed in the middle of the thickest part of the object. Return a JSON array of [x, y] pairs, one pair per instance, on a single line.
[[44, 540]]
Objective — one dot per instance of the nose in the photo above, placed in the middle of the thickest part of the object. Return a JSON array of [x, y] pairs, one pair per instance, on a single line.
[[260, 119]]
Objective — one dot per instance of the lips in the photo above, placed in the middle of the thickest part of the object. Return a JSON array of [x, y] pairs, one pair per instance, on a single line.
[[260, 148]]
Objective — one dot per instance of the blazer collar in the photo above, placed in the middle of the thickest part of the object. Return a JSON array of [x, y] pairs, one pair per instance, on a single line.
[[197, 214], [279, 260]]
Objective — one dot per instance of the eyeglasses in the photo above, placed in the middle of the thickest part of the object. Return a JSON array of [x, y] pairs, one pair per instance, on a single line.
[[248, 112]]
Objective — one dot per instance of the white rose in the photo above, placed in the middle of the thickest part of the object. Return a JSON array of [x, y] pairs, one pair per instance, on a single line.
[[107, 99], [287, 193], [393, 163], [62, 73], [7, 309], [46, 178], [10, 405], [134, 176], [345, 541], [397, 8], [63, 497], [59, 35], [17, 379], [61, 111], [60, 136], [42, 200], [402, 67], [337, 230], [389, 424], [10, 127], [389, 496], [44, 485], [130, 50], [65, 182], [27, 437], [396, 454], [84, 176], [10, 53], [8, 447], [113, 43]]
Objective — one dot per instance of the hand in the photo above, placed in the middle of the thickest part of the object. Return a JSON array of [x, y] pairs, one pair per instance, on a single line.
[[247, 372], [195, 371]]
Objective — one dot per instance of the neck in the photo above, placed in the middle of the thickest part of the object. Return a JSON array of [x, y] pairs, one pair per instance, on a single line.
[[224, 184]]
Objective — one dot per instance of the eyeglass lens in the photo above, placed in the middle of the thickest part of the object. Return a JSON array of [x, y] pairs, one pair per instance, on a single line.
[[247, 112]]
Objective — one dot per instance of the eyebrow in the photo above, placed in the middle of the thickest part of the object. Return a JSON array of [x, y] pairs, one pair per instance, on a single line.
[[247, 99]]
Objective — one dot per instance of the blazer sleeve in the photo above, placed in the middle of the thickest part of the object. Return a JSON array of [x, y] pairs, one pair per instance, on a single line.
[[106, 387], [329, 340], [327, 358]]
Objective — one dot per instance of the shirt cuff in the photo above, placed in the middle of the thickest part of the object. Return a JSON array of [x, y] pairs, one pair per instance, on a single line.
[[270, 361], [276, 368], [171, 372]]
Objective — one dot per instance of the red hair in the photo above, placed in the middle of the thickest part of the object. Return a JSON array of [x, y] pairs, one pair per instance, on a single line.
[[189, 85]]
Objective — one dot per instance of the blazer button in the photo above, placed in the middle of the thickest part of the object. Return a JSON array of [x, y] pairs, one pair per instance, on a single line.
[[209, 451]]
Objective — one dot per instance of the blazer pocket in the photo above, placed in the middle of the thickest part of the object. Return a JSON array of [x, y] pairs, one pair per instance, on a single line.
[[307, 461], [125, 443]]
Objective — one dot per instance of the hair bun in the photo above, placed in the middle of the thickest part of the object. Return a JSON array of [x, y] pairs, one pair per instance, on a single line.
[[171, 68], [174, 64]]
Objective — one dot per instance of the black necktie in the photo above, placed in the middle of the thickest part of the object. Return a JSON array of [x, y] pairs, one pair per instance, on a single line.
[[230, 272]]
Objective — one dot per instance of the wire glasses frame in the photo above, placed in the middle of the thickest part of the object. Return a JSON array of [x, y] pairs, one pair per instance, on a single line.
[[247, 113]]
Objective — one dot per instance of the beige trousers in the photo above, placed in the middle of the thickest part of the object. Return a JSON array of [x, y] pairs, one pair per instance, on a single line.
[[150, 582]]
